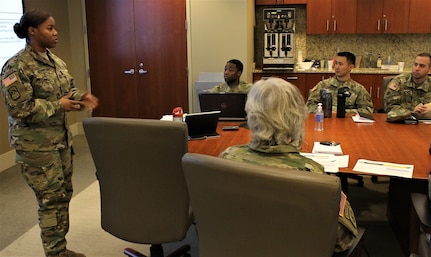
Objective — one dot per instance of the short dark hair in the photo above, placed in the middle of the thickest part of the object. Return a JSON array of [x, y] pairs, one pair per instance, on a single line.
[[351, 58], [238, 64], [426, 55]]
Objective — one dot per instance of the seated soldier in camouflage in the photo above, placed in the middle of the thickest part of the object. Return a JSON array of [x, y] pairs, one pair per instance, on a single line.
[[359, 100], [232, 84], [276, 115], [410, 92]]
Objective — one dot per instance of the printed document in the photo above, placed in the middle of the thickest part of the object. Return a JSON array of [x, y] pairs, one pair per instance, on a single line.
[[384, 168]]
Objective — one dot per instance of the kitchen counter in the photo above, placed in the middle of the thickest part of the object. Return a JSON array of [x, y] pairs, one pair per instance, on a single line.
[[354, 71]]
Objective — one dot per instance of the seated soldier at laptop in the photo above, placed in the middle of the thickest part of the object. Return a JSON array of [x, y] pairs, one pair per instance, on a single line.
[[410, 92], [232, 84]]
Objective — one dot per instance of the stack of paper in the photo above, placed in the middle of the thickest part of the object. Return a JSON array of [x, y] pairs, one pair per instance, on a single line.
[[330, 162]]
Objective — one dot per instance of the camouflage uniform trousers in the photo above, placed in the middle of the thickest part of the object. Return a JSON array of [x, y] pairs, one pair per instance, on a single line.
[[49, 174]]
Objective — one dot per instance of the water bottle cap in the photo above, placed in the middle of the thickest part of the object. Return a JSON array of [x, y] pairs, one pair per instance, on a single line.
[[177, 112]]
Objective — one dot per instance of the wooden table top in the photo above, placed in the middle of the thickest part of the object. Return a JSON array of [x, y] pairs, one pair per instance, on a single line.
[[378, 141]]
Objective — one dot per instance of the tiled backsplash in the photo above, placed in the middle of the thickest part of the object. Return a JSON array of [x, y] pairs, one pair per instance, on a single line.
[[400, 47]]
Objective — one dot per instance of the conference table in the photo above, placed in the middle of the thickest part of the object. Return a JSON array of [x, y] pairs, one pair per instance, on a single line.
[[378, 141]]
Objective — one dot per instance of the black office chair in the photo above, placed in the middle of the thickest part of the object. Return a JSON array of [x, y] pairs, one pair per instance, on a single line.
[[385, 84], [144, 197], [420, 225]]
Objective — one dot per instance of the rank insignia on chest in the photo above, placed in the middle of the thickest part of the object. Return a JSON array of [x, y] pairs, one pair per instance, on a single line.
[[10, 80]]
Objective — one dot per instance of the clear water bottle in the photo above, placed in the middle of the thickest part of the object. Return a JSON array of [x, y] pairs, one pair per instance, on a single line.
[[319, 118]]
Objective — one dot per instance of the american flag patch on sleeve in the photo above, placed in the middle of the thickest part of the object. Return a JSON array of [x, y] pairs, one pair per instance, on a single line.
[[10, 80], [393, 86]]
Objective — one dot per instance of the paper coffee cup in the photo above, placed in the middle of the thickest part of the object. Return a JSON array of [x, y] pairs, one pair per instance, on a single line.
[[330, 64], [400, 66]]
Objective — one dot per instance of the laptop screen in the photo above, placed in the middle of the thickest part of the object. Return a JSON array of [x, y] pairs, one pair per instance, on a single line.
[[231, 105], [202, 124]]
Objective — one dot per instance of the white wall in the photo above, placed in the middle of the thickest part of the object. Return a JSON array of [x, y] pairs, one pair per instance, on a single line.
[[219, 30]]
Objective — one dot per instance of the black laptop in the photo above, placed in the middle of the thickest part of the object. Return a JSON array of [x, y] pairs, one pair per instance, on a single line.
[[231, 105], [202, 124]]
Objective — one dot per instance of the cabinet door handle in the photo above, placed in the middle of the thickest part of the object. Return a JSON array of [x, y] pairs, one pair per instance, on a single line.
[[378, 92], [378, 25], [386, 25], [335, 25], [292, 78], [371, 91], [327, 25]]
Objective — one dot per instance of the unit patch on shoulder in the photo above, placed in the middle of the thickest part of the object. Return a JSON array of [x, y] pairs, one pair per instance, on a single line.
[[393, 86], [14, 93], [10, 80]]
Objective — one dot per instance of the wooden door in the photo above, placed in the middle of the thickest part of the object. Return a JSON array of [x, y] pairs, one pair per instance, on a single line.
[[110, 49], [138, 56]]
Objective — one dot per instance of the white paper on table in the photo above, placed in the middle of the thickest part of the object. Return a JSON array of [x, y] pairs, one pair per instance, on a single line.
[[330, 162], [358, 118], [167, 117], [384, 168]]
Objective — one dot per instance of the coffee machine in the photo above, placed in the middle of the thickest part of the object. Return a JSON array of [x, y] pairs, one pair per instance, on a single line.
[[279, 42]]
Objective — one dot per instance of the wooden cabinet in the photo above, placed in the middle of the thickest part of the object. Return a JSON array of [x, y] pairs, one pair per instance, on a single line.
[[384, 16], [279, 2], [306, 81], [313, 78], [420, 18], [297, 79], [331, 17], [373, 84]]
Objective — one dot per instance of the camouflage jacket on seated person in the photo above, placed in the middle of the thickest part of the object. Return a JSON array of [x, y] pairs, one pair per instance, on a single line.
[[403, 95], [359, 100]]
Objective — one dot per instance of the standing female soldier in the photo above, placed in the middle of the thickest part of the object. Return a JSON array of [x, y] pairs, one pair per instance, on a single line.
[[38, 91]]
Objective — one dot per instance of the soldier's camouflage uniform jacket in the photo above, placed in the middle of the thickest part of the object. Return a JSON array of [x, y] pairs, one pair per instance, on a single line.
[[243, 87], [403, 95], [359, 100], [287, 156], [32, 87]]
